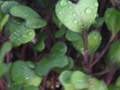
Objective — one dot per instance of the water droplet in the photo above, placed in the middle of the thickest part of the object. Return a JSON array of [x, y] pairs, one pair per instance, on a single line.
[[70, 7], [59, 12], [96, 4], [65, 3], [74, 14], [88, 11], [65, 19], [75, 21], [62, 3], [27, 77]]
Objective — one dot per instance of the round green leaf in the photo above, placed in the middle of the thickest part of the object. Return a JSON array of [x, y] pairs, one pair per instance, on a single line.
[[22, 74], [23, 12], [35, 23], [7, 5], [112, 20], [80, 80], [53, 61], [114, 53], [77, 16]]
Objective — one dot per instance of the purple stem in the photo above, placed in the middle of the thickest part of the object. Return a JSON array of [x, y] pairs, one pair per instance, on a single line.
[[109, 76], [85, 47]]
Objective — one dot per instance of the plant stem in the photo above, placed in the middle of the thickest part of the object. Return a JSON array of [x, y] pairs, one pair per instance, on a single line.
[[105, 71], [85, 47], [109, 76]]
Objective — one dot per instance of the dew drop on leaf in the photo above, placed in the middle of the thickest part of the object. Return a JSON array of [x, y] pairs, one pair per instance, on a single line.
[[88, 11], [74, 14], [96, 4], [75, 21]]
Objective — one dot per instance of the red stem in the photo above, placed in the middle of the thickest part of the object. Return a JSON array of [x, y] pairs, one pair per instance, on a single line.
[[85, 47]]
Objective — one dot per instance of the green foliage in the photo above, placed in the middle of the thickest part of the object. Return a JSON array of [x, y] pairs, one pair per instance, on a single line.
[[113, 53], [40, 44], [22, 74], [23, 32], [77, 80], [100, 21], [94, 40], [112, 20], [4, 49], [60, 32], [7, 5], [77, 16]]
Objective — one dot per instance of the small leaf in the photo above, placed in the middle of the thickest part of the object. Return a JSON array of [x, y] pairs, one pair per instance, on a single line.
[[56, 20], [94, 40], [100, 21], [3, 19], [72, 36], [80, 80], [113, 53], [19, 33], [68, 67], [35, 23], [6, 47], [77, 16], [60, 32], [23, 12], [59, 47], [22, 74], [65, 79], [112, 20], [40, 44], [7, 5], [96, 84], [50, 62]]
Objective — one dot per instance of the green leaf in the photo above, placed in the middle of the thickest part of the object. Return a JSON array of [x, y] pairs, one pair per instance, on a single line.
[[3, 19], [30, 88], [65, 79], [30, 64], [100, 21], [23, 12], [7, 46], [117, 84], [72, 36], [68, 67], [77, 16], [60, 32], [112, 20], [94, 40], [80, 80], [56, 20], [55, 60], [35, 23], [59, 48], [113, 53], [19, 33], [96, 84], [7, 5], [22, 74], [40, 44]]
